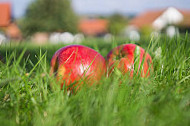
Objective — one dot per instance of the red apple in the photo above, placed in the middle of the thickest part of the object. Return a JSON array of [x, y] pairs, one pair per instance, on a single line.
[[130, 58], [73, 63]]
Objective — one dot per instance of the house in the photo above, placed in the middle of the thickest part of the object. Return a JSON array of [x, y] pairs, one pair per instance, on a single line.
[[93, 27], [170, 21], [7, 26]]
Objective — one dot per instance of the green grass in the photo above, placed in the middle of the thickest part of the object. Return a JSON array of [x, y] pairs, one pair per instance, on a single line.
[[162, 99]]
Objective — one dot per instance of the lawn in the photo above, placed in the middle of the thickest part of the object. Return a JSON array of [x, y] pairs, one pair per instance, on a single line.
[[26, 97]]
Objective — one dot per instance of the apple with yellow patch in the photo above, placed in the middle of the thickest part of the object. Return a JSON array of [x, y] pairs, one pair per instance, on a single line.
[[73, 63]]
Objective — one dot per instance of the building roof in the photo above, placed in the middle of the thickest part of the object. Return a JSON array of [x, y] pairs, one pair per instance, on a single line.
[[13, 31], [10, 28], [186, 20], [148, 17], [93, 27], [5, 14]]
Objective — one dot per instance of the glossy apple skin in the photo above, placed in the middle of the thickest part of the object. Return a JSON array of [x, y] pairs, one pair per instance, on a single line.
[[128, 56], [76, 62]]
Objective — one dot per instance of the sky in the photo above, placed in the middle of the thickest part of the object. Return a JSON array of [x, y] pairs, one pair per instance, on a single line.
[[106, 6]]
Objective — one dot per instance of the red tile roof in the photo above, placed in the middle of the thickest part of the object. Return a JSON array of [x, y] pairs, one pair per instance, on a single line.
[[5, 14], [186, 20], [13, 31], [93, 27], [10, 29]]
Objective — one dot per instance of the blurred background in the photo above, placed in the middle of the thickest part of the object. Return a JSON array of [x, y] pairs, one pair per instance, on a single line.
[[73, 21]]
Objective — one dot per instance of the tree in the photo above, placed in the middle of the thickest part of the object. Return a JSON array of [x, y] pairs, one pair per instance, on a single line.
[[116, 24], [49, 16]]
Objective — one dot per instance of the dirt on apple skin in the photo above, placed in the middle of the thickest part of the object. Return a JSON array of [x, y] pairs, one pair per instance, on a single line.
[[130, 58], [75, 63]]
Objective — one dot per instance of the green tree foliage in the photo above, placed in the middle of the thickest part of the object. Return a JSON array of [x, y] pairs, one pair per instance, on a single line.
[[117, 23], [49, 16]]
